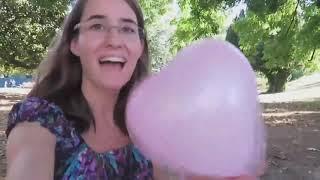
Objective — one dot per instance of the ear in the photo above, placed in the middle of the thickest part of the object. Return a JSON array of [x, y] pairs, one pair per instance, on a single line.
[[74, 47]]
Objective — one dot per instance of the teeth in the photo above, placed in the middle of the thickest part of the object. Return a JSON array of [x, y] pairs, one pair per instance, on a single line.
[[113, 59]]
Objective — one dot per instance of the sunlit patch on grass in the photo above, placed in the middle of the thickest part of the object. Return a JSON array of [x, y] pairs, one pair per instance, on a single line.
[[5, 108], [290, 113], [276, 118], [283, 121]]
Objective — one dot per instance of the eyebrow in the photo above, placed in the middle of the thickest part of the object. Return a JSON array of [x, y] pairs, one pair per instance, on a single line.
[[128, 20], [96, 17], [125, 20]]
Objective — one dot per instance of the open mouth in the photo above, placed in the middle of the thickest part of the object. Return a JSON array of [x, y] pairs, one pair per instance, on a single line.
[[115, 61]]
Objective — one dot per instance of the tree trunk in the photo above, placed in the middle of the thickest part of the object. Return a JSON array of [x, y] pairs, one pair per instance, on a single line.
[[277, 80]]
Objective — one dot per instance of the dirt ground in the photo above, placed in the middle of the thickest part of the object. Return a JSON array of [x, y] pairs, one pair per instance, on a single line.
[[293, 138]]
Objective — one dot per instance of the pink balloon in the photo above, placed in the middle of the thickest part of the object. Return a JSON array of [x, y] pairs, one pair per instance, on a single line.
[[201, 114]]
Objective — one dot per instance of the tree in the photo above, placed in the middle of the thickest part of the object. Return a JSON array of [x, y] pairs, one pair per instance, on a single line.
[[280, 37], [26, 29], [199, 19], [157, 14], [232, 36], [153, 10]]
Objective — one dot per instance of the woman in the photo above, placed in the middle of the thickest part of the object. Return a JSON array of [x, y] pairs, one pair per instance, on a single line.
[[72, 123]]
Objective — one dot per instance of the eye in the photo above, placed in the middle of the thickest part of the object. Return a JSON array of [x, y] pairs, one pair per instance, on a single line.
[[128, 30], [97, 27]]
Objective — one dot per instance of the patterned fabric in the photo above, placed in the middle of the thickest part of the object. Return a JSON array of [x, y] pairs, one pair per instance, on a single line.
[[74, 159]]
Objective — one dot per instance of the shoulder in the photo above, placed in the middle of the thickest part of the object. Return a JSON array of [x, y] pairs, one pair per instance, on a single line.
[[32, 107], [39, 111]]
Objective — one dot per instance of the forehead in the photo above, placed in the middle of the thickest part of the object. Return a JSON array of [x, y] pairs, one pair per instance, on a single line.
[[114, 10]]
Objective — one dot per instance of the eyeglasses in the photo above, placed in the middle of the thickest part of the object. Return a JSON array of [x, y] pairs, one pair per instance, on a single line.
[[100, 28]]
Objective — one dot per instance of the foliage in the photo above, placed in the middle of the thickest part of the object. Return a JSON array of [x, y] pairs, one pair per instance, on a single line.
[[26, 29], [157, 13], [199, 19], [154, 9], [280, 39]]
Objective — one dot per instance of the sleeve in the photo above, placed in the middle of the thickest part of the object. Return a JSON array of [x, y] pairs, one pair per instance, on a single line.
[[48, 115]]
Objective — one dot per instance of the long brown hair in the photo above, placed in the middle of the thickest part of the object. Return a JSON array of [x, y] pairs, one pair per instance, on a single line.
[[60, 74]]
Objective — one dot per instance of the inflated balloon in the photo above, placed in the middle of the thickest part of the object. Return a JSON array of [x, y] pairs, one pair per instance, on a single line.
[[200, 114]]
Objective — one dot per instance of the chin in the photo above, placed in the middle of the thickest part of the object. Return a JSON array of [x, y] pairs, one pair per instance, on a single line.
[[114, 86]]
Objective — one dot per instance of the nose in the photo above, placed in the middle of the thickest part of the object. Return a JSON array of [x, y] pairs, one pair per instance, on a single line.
[[113, 37]]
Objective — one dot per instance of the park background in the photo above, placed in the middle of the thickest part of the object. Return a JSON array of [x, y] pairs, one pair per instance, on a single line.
[[281, 39]]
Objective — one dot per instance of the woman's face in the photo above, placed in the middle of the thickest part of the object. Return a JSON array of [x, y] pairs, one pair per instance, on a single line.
[[108, 44]]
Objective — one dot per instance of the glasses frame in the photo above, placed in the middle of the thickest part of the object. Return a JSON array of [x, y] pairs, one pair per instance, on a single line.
[[141, 31]]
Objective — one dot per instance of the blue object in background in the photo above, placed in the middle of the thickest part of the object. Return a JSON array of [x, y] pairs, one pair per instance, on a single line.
[[14, 81]]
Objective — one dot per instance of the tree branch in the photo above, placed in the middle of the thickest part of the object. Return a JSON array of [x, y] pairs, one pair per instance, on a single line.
[[313, 54], [293, 17]]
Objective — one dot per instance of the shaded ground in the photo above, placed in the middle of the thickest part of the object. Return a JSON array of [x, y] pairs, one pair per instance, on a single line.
[[293, 138]]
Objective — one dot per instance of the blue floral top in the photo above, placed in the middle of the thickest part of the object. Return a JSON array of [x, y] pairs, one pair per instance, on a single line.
[[73, 157]]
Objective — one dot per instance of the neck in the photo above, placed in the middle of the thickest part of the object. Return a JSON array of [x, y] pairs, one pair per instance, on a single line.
[[102, 103]]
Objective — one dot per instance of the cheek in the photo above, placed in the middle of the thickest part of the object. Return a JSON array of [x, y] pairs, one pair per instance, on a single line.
[[87, 66], [135, 52], [87, 58], [88, 46]]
